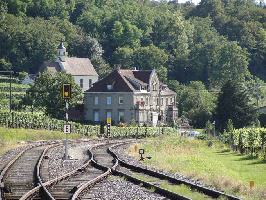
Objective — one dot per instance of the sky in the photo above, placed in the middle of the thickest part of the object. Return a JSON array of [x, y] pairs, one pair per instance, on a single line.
[[194, 1]]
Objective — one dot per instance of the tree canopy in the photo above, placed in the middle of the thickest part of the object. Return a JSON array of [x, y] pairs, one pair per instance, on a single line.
[[212, 42], [199, 46], [47, 93], [234, 104]]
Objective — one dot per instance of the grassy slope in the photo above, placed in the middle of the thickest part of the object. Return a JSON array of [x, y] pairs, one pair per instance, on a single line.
[[10, 137], [216, 165]]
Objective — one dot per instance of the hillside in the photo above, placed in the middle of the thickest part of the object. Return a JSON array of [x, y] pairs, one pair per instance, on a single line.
[[212, 42], [18, 91]]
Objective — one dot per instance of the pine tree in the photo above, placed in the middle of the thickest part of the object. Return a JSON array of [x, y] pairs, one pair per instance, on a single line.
[[234, 103]]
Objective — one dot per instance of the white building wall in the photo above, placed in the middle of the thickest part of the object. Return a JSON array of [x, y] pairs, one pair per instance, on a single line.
[[86, 81]]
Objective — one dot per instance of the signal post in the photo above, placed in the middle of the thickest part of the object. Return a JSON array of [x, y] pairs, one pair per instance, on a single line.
[[108, 120], [66, 90]]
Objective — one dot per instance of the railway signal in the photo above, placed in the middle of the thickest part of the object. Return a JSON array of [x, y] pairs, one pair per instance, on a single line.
[[141, 152], [66, 91]]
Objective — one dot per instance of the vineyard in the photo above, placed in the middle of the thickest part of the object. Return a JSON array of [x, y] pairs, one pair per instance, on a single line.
[[249, 141], [41, 121], [17, 92]]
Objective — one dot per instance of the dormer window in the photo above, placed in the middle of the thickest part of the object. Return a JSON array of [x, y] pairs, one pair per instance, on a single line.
[[109, 87], [143, 88]]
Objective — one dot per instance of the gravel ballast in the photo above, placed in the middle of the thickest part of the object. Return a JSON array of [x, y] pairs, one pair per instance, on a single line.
[[119, 189]]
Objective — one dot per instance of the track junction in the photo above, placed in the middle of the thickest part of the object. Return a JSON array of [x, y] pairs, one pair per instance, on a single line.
[[38, 171]]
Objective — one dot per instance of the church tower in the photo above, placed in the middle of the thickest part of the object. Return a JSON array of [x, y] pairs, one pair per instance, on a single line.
[[61, 52]]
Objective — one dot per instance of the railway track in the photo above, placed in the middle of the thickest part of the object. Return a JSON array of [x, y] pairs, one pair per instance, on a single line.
[[19, 175], [23, 180], [74, 183], [153, 179]]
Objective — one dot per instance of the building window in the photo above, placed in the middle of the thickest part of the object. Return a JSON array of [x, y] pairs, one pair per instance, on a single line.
[[161, 101], [167, 101], [121, 100], [121, 116], [154, 87], [90, 83], [96, 116], [81, 83], [109, 87], [157, 101], [108, 100], [96, 100], [108, 114]]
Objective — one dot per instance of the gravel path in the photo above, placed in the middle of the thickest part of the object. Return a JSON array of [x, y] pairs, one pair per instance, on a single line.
[[118, 189]]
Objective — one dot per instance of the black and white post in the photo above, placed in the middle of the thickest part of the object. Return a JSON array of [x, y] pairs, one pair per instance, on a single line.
[[67, 127], [66, 130]]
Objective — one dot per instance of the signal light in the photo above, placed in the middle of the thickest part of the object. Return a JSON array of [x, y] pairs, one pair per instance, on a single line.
[[66, 91]]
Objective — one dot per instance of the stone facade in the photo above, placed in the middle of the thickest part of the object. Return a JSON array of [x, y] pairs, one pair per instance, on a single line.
[[130, 95]]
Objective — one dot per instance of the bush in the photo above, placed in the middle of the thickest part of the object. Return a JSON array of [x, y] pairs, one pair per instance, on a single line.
[[202, 136]]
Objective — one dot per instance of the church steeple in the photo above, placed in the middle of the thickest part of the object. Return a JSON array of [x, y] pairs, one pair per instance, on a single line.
[[61, 52]]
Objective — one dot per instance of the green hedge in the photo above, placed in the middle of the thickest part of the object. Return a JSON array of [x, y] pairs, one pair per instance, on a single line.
[[41, 121], [14, 95], [5, 79]]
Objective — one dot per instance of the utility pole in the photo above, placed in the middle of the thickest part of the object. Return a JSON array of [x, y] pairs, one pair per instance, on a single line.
[[10, 88], [159, 116], [257, 92], [214, 128]]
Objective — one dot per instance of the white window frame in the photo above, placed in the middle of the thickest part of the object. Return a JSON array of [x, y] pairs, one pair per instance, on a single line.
[[96, 100], [96, 118], [90, 83], [109, 87], [121, 100], [81, 82], [121, 115], [109, 100]]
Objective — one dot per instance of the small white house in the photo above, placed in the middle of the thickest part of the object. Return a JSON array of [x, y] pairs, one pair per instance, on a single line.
[[81, 69]]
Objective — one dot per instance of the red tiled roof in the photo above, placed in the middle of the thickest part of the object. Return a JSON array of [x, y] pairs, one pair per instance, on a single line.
[[124, 80], [141, 75], [120, 84]]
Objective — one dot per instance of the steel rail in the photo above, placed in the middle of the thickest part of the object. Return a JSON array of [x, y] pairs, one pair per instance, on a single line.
[[207, 191], [50, 183], [33, 192], [90, 183], [8, 166], [43, 187]]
